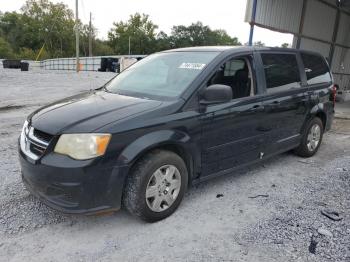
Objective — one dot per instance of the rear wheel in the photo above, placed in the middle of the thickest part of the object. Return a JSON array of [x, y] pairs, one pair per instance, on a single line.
[[156, 185], [311, 139]]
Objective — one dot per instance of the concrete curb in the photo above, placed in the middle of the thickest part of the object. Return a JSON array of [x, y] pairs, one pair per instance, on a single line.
[[342, 117]]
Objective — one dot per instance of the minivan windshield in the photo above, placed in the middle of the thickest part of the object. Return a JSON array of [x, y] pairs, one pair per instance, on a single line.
[[161, 75]]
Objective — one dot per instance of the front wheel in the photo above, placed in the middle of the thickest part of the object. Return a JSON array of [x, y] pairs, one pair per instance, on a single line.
[[311, 139], [156, 185]]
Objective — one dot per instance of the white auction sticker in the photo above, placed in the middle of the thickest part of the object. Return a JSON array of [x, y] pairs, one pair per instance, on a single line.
[[195, 66]]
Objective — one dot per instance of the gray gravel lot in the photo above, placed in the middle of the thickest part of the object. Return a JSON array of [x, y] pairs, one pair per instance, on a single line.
[[284, 223]]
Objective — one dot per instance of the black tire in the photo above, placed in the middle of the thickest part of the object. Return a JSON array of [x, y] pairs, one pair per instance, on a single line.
[[134, 196], [303, 149]]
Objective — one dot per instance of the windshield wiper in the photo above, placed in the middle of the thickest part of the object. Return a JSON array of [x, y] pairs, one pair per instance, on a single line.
[[104, 88]]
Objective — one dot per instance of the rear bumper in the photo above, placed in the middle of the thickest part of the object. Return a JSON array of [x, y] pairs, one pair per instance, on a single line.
[[330, 118], [75, 187]]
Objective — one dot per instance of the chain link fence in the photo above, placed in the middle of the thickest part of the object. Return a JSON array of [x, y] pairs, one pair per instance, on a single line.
[[86, 63]]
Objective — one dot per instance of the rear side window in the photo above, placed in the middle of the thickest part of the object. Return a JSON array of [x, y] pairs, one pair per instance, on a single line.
[[281, 72], [316, 69]]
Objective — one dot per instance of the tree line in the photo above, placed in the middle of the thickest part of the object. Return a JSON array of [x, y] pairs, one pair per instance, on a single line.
[[41, 24]]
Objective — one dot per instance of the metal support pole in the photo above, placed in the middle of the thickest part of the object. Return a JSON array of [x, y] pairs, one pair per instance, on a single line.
[[129, 45], [77, 35], [301, 24], [335, 34], [252, 22], [90, 37]]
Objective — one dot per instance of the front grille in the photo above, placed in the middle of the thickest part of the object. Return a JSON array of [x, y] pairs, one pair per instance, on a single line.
[[42, 135], [37, 150], [34, 142]]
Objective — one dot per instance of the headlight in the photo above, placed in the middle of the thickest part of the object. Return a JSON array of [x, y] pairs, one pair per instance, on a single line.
[[82, 146]]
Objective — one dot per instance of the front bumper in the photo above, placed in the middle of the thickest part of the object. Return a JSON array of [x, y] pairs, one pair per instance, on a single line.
[[76, 187]]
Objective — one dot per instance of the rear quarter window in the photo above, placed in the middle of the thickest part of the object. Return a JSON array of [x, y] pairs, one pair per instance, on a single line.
[[281, 72], [316, 69]]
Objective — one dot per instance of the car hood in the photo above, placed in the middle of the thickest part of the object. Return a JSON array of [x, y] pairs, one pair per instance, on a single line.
[[88, 111]]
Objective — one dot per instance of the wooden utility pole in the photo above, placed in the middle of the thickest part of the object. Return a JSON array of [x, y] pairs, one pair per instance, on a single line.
[[77, 35], [90, 37]]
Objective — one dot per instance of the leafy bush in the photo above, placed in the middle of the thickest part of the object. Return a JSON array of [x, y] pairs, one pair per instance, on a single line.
[[6, 51]]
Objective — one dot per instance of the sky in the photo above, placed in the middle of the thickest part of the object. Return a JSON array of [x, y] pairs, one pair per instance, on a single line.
[[218, 14]]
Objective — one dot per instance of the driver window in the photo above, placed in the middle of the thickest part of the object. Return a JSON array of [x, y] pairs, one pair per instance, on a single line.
[[235, 73]]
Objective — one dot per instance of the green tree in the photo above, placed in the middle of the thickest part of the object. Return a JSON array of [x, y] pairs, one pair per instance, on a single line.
[[259, 43], [162, 41], [40, 22], [51, 24], [27, 53], [12, 29], [84, 38], [285, 45], [5, 49], [101, 48], [139, 29], [198, 34]]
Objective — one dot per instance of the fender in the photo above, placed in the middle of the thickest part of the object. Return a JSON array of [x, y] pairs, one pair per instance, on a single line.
[[140, 146], [157, 139], [316, 109]]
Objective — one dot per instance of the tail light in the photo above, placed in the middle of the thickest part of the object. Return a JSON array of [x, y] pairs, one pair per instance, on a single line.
[[333, 93]]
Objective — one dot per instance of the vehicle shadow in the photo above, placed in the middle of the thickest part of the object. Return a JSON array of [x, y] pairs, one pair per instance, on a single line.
[[122, 218]]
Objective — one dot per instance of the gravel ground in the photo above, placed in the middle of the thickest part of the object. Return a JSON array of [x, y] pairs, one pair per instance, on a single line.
[[267, 212]]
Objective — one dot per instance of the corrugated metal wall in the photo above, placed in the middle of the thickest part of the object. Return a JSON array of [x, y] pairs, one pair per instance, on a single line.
[[315, 31], [319, 21], [280, 15]]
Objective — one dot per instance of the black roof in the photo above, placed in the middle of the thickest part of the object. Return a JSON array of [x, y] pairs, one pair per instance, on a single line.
[[234, 49], [207, 48], [226, 48]]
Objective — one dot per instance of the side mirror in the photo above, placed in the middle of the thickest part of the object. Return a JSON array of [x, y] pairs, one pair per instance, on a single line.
[[216, 94]]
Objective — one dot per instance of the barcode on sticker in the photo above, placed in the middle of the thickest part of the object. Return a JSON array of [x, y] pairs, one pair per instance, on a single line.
[[195, 66]]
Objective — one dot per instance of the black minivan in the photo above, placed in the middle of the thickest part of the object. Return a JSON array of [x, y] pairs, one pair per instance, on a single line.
[[171, 120]]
